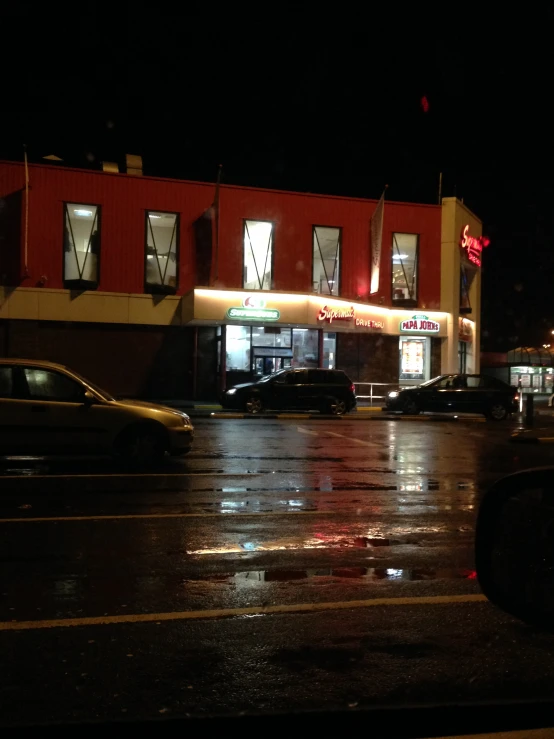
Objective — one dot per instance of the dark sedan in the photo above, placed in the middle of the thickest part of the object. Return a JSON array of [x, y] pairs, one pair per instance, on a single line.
[[328, 391], [457, 394]]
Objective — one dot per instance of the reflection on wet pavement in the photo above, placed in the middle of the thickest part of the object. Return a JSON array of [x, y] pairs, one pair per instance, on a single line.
[[254, 578]]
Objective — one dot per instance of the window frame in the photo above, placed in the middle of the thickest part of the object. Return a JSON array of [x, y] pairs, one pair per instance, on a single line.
[[405, 302], [272, 280], [83, 284], [339, 260], [149, 287]]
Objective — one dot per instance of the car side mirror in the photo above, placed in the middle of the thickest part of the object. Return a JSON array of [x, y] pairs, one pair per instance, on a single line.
[[514, 545], [88, 398]]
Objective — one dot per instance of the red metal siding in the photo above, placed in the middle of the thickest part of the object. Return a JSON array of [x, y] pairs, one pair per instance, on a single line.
[[125, 198]]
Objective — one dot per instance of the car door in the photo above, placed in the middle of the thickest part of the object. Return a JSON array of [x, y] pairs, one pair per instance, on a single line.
[[57, 417], [476, 394], [441, 397], [281, 390]]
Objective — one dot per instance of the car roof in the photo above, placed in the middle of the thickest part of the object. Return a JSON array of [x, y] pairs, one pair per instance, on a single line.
[[36, 362]]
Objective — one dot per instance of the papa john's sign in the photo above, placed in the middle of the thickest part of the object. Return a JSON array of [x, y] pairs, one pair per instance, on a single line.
[[419, 324]]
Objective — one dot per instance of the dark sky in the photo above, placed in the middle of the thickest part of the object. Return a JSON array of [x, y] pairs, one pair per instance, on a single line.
[[305, 100]]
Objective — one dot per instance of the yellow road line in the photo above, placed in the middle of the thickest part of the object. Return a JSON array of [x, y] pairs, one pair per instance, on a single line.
[[134, 618], [123, 516], [101, 476]]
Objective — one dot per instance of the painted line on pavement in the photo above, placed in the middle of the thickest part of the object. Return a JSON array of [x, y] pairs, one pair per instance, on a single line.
[[133, 618], [123, 516], [101, 476], [307, 431], [357, 441]]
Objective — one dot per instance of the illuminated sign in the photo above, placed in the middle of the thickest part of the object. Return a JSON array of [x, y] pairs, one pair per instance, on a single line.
[[336, 314], [369, 323], [473, 246], [419, 324], [253, 308]]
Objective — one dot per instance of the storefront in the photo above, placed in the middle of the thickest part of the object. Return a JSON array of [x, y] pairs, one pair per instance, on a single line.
[[256, 334]]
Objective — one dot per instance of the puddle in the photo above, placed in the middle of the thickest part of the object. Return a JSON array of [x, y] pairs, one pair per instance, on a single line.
[[254, 578]]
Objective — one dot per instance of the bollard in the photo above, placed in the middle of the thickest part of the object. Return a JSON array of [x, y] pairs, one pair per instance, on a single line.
[[529, 412]]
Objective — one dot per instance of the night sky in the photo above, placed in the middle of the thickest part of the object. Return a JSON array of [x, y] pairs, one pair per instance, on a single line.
[[296, 99]]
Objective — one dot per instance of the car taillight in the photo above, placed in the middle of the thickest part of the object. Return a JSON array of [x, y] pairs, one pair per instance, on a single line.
[[353, 388]]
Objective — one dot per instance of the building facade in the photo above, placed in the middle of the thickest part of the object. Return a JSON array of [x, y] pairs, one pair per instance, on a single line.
[[173, 289]]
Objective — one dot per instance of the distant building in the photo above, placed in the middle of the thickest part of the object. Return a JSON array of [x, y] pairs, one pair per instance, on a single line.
[[168, 289]]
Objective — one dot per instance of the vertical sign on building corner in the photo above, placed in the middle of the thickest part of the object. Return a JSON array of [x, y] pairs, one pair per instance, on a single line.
[[376, 234]]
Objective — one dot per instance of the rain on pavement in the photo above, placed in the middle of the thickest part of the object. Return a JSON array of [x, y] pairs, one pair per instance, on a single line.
[[222, 582]]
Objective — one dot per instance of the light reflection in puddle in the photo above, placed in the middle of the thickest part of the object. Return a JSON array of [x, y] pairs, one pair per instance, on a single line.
[[255, 578]]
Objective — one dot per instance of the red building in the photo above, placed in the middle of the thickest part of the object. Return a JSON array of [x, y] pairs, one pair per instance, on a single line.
[[168, 289]]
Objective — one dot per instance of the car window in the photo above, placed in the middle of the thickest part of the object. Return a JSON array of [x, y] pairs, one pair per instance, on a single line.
[[6, 382], [444, 384], [319, 377], [476, 381], [50, 385], [459, 382], [493, 382], [297, 378]]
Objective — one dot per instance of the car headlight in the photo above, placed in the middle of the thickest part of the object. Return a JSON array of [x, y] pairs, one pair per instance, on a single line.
[[186, 420], [393, 394], [232, 391]]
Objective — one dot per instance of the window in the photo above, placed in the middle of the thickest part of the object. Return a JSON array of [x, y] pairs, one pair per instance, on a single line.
[[238, 348], [326, 254], [81, 245], [6, 383], [462, 356], [305, 347], [413, 359], [258, 255], [404, 268], [466, 278], [49, 385], [162, 238], [329, 350], [445, 384]]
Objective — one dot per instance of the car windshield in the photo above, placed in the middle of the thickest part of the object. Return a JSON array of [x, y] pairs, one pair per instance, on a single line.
[[103, 393], [273, 375], [431, 382]]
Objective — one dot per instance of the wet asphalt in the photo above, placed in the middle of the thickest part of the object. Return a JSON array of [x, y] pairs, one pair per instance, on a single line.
[[222, 582]]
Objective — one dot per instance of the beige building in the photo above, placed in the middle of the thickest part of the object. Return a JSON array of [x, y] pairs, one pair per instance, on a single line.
[[461, 258]]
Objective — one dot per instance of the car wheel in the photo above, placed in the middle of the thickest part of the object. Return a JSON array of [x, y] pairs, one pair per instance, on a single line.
[[254, 405], [142, 445], [497, 412], [337, 407], [410, 407]]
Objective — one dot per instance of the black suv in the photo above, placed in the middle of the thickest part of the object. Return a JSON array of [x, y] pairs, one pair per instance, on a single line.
[[458, 394], [328, 391]]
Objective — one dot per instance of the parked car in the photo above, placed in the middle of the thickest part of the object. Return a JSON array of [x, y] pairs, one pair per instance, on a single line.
[[459, 394], [327, 391], [46, 408]]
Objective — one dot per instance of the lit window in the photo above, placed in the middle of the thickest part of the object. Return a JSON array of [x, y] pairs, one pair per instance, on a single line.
[[404, 267], [162, 263], [81, 243], [326, 253], [258, 255]]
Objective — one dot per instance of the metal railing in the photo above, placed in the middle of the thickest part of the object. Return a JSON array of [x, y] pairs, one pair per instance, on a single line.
[[372, 395]]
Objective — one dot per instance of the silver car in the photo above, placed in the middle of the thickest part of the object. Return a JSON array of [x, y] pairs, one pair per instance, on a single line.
[[46, 408]]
